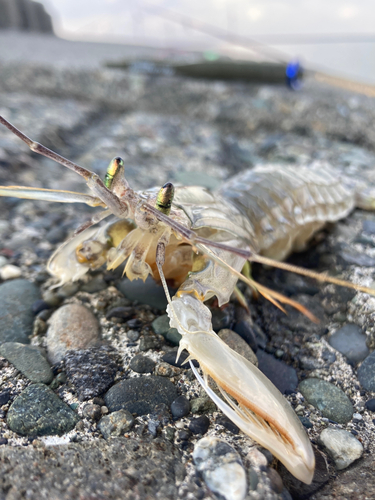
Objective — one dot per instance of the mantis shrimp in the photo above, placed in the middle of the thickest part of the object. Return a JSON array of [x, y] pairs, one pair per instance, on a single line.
[[261, 215]]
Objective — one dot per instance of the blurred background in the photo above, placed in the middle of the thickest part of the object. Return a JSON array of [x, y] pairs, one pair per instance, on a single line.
[[337, 37]]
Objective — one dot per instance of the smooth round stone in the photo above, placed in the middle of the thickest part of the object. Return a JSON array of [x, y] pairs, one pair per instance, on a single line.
[[161, 326], [327, 398], [140, 395], [228, 424], [238, 344], [10, 272], [342, 446], [199, 425], [145, 293], [370, 405], [92, 411], [221, 468], [366, 373], [180, 407], [97, 284], [351, 342], [16, 316], [91, 371], [71, 327], [283, 376], [116, 423], [357, 258], [37, 411], [170, 358], [28, 360], [142, 364]]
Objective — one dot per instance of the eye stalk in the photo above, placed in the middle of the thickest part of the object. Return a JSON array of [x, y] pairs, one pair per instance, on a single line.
[[115, 170], [165, 198]]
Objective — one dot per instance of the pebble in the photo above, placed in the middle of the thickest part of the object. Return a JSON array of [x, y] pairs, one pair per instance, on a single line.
[[238, 344], [342, 446], [327, 398], [306, 422], [222, 318], [275, 480], [4, 397], [203, 404], [92, 412], [199, 425], [96, 284], [116, 423], [366, 373], [140, 395], [39, 306], [10, 272], [368, 226], [91, 371], [37, 411], [170, 358], [161, 327], [133, 335], [228, 424], [123, 312], [16, 316], [357, 258], [244, 329], [148, 342], [145, 293], [221, 468], [142, 364], [284, 377], [28, 360], [73, 326], [370, 405], [180, 407], [351, 342]]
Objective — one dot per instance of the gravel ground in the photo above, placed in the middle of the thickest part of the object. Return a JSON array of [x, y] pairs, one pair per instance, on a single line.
[[190, 132]]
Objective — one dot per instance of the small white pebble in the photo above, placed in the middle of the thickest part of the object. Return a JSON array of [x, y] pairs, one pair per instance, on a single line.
[[9, 272], [357, 416], [104, 410]]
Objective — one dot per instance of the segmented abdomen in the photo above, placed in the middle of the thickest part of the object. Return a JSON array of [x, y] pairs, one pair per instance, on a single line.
[[286, 205]]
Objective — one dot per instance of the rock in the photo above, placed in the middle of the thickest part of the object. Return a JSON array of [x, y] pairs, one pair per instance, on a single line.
[[222, 318], [366, 373], [123, 312], [275, 480], [245, 329], [368, 226], [221, 468], [4, 397], [284, 377], [96, 284], [342, 446], [228, 424], [161, 326], [203, 404], [145, 293], [39, 306], [116, 423], [356, 258], [140, 395], [327, 398], [92, 412], [351, 342], [71, 327], [170, 358], [16, 316], [180, 407], [37, 411], [133, 335], [10, 272], [238, 344], [91, 371], [142, 364], [199, 425], [370, 405], [28, 360]]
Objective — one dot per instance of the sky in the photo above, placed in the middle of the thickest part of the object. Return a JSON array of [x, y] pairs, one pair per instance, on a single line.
[[132, 21]]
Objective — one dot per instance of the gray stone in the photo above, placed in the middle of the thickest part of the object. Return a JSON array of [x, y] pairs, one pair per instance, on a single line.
[[28, 360], [283, 376], [327, 398], [71, 327], [351, 342], [237, 343], [91, 371], [140, 395], [16, 316], [145, 293], [142, 364], [342, 446], [366, 373], [221, 468], [161, 326], [96, 284], [116, 423], [37, 411]]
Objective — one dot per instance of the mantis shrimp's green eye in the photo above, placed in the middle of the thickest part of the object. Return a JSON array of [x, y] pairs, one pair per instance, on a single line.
[[113, 168], [165, 198]]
